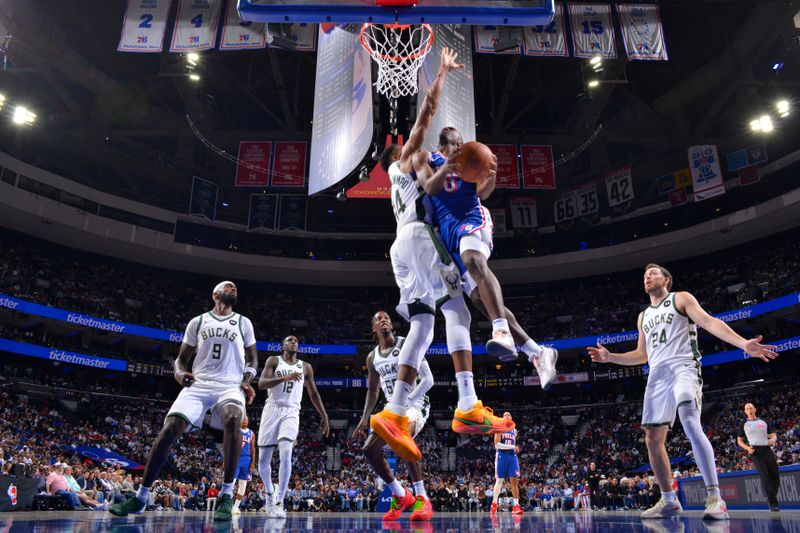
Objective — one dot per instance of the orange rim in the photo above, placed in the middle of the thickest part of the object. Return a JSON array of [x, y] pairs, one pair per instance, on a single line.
[[386, 57]]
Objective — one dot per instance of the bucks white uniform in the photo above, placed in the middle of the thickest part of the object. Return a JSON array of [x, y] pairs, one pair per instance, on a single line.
[[423, 269], [218, 366], [280, 419], [674, 360], [386, 365]]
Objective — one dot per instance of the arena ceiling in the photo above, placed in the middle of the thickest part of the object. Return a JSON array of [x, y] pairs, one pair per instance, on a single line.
[[117, 121]]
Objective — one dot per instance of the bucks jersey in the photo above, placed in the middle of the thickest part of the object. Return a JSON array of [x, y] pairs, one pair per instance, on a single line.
[[670, 336], [386, 364], [288, 393], [407, 197], [220, 343]]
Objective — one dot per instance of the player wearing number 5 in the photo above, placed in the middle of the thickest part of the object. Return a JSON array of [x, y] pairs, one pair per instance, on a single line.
[[284, 377], [668, 343], [218, 380]]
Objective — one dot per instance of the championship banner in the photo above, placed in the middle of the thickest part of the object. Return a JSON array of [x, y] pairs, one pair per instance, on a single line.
[[293, 212], [487, 36], [642, 32], [342, 131], [238, 34], [706, 174], [144, 25], [592, 31], [548, 41], [196, 25], [203, 198], [743, 490], [289, 164], [507, 165], [263, 213], [457, 103], [619, 186], [253, 171], [523, 212], [302, 35], [749, 175], [538, 171], [105, 457]]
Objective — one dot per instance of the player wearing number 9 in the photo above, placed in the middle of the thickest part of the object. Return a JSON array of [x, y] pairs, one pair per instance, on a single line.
[[284, 377]]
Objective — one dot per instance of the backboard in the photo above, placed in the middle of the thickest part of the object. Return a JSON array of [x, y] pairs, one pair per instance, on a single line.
[[471, 12]]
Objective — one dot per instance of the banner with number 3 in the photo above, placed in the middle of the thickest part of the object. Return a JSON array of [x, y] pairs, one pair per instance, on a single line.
[[592, 30], [196, 25], [144, 26]]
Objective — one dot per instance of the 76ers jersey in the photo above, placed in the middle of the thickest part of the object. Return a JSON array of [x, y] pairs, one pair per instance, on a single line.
[[288, 393], [220, 344], [247, 438], [458, 199], [509, 438]]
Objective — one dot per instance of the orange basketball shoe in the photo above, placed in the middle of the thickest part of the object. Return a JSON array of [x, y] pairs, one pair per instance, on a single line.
[[399, 505], [393, 429], [422, 509], [479, 420]]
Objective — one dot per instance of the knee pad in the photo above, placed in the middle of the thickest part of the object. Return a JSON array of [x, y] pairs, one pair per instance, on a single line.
[[457, 321]]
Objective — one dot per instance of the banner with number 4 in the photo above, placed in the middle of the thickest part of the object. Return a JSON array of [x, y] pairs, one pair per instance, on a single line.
[[196, 25]]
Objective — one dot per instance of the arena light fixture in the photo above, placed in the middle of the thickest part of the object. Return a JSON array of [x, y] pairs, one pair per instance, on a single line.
[[596, 60], [363, 176], [2, 100], [755, 125], [192, 58], [194, 77], [22, 115], [783, 108], [593, 84], [766, 124]]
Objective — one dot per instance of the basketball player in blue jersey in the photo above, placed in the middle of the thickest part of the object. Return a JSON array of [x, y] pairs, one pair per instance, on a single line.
[[466, 231], [246, 463], [506, 466]]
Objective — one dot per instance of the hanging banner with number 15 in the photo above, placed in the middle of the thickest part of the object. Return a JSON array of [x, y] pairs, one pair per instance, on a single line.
[[592, 30], [196, 25]]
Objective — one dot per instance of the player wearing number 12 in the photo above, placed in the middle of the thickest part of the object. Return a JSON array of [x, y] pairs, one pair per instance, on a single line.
[[668, 343], [219, 378], [284, 376]]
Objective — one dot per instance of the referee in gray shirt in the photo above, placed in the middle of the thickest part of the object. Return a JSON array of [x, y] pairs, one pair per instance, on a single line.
[[756, 438]]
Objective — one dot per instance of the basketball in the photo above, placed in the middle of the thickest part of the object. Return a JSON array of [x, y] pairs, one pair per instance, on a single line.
[[475, 159]]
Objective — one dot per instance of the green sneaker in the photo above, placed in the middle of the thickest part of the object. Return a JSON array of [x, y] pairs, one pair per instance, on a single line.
[[132, 505], [224, 506]]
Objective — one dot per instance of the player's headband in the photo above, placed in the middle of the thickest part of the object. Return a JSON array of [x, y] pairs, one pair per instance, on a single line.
[[221, 285]]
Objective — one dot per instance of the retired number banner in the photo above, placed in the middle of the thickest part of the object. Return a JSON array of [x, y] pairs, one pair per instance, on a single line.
[[538, 171], [256, 155], [507, 165], [196, 25], [487, 36], [144, 26], [706, 173], [592, 30], [238, 34], [642, 32], [523, 212], [289, 164], [549, 40], [619, 187]]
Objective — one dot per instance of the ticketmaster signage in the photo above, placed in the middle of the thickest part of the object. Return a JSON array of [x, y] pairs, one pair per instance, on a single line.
[[43, 352], [743, 490]]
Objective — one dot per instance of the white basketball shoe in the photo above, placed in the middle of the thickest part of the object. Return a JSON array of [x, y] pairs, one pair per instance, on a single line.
[[716, 509], [502, 346], [663, 509], [546, 366]]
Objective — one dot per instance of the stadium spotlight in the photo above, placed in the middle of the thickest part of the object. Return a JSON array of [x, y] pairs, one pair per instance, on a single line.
[[755, 125], [593, 84], [363, 176], [783, 108], [596, 60], [23, 116], [192, 58], [766, 124], [194, 77], [2, 100]]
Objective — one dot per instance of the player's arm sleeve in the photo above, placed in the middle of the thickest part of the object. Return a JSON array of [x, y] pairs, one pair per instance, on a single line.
[[248, 332], [190, 335], [424, 385]]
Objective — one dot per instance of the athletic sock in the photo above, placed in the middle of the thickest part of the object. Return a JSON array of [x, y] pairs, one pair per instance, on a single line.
[[143, 493], [499, 324], [670, 496], [467, 397], [236, 504], [531, 349], [516, 501], [713, 491], [227, 488], [399, 403], [419, 489], [397, 489]]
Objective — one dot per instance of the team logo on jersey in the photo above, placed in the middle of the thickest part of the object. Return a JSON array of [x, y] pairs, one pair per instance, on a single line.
[[667, 303], [395, 352], [12, 494], [467, 227], [233, 322]]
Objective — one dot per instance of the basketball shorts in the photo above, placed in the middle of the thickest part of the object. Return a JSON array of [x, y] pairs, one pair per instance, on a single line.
[[193, 402], [419, 417], [477, 224], [423, 270], [243, 470], [506, 465], [278, 422], [668, 386]]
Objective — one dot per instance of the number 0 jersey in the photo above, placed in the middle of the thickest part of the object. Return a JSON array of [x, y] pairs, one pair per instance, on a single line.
[[670, 336], [288, 393], [220, 343], [408, 197]]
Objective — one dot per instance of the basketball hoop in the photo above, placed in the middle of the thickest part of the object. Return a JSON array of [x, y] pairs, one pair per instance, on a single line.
[[399, 50]]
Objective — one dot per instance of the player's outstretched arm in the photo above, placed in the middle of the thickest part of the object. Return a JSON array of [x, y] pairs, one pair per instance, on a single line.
[[753, 347], [373, 384], [313, 395], [428, 109], [600, 354]]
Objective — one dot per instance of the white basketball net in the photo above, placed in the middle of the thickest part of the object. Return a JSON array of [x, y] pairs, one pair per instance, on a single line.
[[399, 51]]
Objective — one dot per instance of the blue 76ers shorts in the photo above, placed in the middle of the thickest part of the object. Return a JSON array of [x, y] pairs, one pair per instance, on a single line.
[[243, 470], [506, 465]]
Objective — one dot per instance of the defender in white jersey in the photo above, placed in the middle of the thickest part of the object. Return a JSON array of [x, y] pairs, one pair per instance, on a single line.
[[225, 362], [383, 364], [668, 343], [284, 376], [427, 278]]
